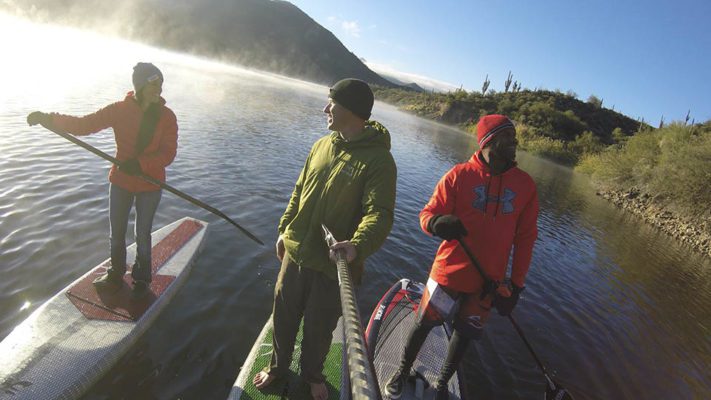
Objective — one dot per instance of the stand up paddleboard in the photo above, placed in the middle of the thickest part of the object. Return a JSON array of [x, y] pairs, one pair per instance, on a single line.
[[70, 341], [292, 386], [387, 332]]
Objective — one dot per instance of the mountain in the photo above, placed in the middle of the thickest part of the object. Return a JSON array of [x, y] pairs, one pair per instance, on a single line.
[[409, 85], [270, 35]]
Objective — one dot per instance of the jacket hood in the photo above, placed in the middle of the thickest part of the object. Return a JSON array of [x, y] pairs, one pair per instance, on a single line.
[[131, 96], [374, 135]]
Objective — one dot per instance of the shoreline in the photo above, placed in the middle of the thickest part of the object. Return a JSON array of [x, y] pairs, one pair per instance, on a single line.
[[695, 234]]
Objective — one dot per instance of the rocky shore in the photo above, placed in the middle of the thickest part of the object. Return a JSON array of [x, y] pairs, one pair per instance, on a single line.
[[695, 233]]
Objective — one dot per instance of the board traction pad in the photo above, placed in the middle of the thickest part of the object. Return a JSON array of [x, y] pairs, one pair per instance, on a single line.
[[118, 305], [292, 386]]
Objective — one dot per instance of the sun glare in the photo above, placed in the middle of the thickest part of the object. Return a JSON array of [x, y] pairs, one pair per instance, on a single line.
[[45, 61], [25, 306]]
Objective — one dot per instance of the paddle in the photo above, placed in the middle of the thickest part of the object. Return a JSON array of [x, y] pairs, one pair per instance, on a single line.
[[554, 391], [364, 384], [156, 182]]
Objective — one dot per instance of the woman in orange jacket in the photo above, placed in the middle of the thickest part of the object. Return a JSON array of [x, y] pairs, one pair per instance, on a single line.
[[146, 133]]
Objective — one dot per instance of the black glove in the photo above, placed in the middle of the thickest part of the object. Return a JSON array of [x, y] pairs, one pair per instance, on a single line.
[[131, 167], [448, 227], [506, 304], [38, 117]]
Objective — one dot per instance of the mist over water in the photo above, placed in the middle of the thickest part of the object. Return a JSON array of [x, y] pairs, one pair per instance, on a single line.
[[615, 309]]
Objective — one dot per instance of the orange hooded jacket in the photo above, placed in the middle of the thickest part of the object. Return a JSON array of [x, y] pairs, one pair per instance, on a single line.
[[499, 212], [125, 119]]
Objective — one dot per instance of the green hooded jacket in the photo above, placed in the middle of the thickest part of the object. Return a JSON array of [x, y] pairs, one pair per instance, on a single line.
[[350, 187]]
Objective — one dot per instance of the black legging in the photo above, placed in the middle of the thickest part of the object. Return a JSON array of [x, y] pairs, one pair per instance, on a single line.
[[455, 352]]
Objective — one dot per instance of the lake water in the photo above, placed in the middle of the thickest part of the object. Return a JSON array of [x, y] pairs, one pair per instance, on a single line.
[[615, 309]]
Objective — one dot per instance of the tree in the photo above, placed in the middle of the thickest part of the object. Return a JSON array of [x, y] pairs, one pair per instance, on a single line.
[[485, 85], [587, 143], [595, 101], [618, 135], [516, 87]]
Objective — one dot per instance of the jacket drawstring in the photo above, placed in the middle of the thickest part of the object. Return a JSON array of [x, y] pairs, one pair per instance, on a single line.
[[498, 198], [486, 195]]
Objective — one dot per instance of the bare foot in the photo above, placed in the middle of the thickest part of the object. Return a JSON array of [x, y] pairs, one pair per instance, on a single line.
[[319, 391], [262, 379]]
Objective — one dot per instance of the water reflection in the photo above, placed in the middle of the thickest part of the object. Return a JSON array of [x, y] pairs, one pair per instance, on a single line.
[[615, 309]]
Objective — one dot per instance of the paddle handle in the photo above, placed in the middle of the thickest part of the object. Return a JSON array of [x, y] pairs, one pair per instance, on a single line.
[[364, 384]]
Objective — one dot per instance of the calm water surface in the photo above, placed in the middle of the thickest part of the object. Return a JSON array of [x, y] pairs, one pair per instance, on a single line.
[[614, 309]]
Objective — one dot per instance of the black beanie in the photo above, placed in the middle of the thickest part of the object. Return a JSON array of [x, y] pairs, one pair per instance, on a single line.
[[144, 73], [355, 95]]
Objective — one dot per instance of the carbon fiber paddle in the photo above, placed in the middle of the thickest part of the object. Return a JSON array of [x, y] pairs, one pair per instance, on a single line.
[[554, 391], [156, 182]]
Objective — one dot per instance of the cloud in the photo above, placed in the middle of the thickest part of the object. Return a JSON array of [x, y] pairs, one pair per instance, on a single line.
[[351, 28], [425, 82]]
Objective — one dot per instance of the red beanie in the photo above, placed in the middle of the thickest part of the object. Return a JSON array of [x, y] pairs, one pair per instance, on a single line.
[[490, 125]]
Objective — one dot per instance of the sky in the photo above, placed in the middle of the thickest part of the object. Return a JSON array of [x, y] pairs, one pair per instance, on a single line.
[[646, 59]]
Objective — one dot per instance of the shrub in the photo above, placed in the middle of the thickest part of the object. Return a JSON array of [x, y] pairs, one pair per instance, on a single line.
[[586, 143], [672, 163], [683, 171], [531, 140]]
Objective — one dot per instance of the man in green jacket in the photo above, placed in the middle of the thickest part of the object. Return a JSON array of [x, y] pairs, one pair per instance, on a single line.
[[348, 184]]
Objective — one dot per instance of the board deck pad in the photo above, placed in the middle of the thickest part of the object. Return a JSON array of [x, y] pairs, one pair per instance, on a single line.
[[290, 386], [118, 305], [389, 339]]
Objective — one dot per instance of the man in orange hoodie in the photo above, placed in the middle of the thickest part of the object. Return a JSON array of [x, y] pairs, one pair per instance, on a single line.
[[146, 133], [491, 206]]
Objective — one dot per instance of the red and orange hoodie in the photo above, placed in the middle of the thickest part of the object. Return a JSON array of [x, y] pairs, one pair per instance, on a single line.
[[125, 119], [499, 213]]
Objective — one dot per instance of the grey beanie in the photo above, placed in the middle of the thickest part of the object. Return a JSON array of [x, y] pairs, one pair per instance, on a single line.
[[143, 73], [355, 95]]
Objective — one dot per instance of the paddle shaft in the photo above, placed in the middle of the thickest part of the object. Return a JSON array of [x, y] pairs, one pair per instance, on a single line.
[[156, 182], [511, 318], [364, 384]]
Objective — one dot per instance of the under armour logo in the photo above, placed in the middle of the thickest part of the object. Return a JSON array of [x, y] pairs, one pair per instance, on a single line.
[[506, 200]]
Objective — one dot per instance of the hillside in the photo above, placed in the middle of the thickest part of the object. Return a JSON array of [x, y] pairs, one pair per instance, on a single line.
[[270, 35], [551, 124]]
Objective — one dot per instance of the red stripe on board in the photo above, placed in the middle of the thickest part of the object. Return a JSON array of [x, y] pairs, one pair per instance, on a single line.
[[118, 306], [172, 243]]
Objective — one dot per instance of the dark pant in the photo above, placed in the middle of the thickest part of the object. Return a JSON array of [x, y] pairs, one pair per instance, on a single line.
[[455, 352], [120, 203], [302, 292]]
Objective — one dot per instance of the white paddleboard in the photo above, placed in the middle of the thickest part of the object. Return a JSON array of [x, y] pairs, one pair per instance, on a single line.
[[74, 338]]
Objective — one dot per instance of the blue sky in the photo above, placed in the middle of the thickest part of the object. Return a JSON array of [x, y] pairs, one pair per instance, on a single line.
[[647, 59]]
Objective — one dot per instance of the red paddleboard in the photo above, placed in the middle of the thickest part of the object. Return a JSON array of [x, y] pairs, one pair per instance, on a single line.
[[386, 335]]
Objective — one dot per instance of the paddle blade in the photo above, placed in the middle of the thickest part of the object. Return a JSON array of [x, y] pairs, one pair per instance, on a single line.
[[555, 392]]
